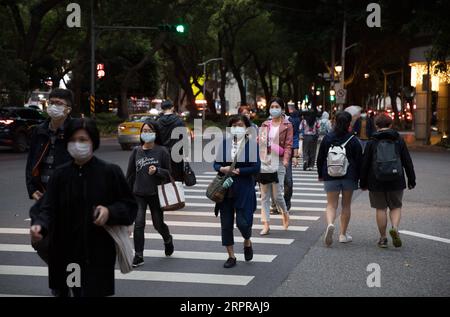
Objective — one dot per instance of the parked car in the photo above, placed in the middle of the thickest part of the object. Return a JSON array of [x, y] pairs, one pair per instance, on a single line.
[[16, 126]]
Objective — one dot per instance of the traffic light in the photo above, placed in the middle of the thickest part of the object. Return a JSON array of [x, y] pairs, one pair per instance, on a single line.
[[173, 28], [100, 71], [332, 95]]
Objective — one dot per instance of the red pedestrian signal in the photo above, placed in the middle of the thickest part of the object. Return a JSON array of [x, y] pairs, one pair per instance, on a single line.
[[100, 71]]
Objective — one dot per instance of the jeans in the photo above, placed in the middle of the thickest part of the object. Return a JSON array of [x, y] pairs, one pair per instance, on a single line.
[[244, 222], [309, 150], [278, 191], [157, 219]]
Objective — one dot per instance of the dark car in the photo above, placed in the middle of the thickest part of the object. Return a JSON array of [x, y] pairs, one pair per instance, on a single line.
[[16, 126]]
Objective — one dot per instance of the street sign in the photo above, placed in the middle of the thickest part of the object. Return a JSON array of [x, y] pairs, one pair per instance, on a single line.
[[341, 94]]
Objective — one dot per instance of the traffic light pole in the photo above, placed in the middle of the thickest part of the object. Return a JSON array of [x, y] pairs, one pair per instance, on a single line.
[[96, 31]]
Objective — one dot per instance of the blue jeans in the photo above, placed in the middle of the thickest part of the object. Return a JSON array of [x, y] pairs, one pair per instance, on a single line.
[[244, 222]]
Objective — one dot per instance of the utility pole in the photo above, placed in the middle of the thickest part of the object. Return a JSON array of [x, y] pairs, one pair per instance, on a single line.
[[93, 35], [204, 82]]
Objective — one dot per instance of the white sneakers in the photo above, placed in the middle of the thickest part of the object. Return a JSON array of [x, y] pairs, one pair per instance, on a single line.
[[345, 238], [328, 238]]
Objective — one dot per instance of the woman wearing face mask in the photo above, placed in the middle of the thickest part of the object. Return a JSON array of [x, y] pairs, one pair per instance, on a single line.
[[241, 196], [148, 167], [276, 138], [82, 196]]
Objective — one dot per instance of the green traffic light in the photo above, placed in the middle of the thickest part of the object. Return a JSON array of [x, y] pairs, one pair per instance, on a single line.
[[180, 28]]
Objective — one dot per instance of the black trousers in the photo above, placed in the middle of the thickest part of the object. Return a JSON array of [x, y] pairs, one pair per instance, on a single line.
[[157, 219]]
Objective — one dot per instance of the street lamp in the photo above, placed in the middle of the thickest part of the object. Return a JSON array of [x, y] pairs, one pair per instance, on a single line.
[[204, 82], [338, 69]]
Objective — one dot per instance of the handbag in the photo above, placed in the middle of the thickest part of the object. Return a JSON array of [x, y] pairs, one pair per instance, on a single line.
[[215, 191], [171, 195], [189, 175], [267, 178]]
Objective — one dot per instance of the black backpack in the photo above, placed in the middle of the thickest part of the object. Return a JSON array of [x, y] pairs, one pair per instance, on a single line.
[[387, 164]]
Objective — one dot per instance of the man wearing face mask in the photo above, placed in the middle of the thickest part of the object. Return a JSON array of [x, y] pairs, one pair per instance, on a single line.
[[364, 128], [47, 151]]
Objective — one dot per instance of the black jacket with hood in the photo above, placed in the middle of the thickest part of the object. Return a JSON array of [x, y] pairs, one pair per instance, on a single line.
[[368, 180], [166, 124]]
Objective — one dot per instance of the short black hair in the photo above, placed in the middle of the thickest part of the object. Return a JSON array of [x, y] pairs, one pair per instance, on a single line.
[[239, 117], [166, 104], [383, 121], [65, 94], [83, 123]]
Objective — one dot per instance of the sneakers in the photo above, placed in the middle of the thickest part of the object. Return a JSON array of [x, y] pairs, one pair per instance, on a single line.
[[328, 238], [382, 243], [168, 247], [248, 253], [138, 260], [345, 238], [265, 231], [229, 263], [395, 238]]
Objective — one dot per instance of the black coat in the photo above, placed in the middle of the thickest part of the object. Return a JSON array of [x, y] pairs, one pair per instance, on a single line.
[[67, 215], [368, 180], [40, 141], [166, 124]]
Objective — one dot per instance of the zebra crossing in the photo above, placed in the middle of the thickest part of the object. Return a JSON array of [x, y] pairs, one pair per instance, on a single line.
[[195, 268]]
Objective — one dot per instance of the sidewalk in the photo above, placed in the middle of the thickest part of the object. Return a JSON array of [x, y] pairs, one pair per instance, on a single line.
[[420, 268], [418, 146]]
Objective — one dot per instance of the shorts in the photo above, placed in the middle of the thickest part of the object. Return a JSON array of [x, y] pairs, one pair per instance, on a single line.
[[338, 185], [383, 200]]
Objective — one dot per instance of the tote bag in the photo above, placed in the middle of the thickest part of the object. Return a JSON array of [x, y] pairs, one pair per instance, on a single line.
[[171, 195]]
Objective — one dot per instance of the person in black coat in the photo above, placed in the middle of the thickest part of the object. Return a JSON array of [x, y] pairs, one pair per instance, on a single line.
[[167, 123], [83, 195], [47, 151], [386, 194]]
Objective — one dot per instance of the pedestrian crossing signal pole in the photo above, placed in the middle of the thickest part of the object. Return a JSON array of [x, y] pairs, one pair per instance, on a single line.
[[92, 105]]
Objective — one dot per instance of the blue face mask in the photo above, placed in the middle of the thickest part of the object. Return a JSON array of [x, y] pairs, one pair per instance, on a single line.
[[148, 137], [275, 112]]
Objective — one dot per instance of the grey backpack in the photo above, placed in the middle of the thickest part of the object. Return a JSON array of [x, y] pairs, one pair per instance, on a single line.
[[387, 164], [337, 162]]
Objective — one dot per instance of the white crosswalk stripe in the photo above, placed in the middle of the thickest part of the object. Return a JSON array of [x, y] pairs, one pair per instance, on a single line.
[[195, 228]]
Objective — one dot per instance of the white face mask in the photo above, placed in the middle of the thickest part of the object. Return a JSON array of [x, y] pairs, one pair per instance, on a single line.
[[56, 112], [148, 137], [363, 115], [79, 150], [239, 132]]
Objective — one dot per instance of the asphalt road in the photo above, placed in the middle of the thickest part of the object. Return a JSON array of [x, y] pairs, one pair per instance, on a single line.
[[287, 263]]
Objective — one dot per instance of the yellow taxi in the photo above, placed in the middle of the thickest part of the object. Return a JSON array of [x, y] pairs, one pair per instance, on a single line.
[[128, 132]]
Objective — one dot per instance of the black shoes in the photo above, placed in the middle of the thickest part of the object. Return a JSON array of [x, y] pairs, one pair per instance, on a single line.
[[138, 261], [382, 243], [248, 253], [230, 263], [168, 247]]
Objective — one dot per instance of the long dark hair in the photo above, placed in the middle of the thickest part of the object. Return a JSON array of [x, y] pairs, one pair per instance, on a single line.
[[310, 118], [343, 120]]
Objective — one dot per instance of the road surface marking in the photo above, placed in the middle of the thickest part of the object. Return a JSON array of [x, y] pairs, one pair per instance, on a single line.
[[192, 255], [178, 277], [295, 182], [187, 237], [210, 214], [218, 225], [309, 201], [257, 207], [425, 236]]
